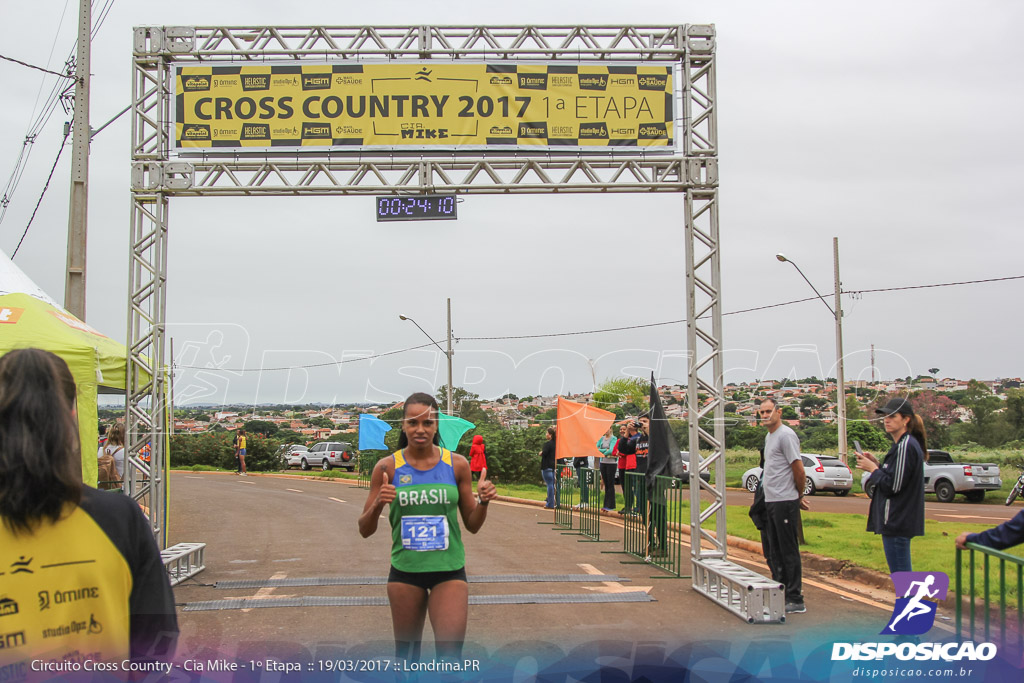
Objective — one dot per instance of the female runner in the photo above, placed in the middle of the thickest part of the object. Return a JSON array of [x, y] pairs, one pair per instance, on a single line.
[[425, 484]]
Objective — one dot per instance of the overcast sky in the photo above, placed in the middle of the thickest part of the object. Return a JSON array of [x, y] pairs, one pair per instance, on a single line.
[[894, 126]]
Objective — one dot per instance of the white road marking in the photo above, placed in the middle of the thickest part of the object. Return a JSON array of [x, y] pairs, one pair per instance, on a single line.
[[610, 586], [290, 559], [247, 482], [295, 490], [336, 500], [189, 476], [244, 561], [267, 591], [1000, 519]]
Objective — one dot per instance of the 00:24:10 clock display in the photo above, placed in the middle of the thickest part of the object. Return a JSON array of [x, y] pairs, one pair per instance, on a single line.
[[418, 208]]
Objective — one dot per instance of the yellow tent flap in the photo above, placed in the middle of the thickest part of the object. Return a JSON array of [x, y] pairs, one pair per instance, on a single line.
[[94, 359]]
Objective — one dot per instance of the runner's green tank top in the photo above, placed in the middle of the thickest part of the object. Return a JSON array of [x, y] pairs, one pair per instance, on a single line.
[[425, 533]]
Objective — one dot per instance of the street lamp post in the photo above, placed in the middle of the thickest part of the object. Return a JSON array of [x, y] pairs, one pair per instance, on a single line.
[[449, 353], [837, 314]]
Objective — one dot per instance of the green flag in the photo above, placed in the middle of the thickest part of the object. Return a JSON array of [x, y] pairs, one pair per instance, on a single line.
[[451, 429]]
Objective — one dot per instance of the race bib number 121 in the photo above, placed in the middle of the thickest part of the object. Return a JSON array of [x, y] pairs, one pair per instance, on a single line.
[[425, 532]]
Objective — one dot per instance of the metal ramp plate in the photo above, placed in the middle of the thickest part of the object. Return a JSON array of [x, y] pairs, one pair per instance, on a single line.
[[183, 560], [743, 592], [381, 601], [381, 580]]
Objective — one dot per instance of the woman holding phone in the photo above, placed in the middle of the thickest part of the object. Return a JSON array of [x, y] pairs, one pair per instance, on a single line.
[[897, 508]]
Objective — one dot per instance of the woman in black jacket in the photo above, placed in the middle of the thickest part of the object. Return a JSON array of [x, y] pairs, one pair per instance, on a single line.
[[547, 469], [897, 508]]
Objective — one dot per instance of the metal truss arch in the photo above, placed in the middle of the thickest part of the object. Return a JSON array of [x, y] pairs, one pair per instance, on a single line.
[[159, 172]]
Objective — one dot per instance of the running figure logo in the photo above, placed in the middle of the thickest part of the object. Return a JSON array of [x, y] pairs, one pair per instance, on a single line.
[[914, 613]]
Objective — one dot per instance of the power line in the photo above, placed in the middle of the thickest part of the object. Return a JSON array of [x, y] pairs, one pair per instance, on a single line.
[[37, 68], [41, 195], [941, 284], [609, 329], [629, 327], [57, 93], [303, 367], [744, 310]]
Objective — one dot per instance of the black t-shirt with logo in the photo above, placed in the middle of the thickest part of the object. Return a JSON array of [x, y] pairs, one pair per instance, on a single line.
[[91, 587]]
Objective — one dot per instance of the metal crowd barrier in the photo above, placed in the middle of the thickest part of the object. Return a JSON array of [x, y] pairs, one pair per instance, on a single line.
[[654, 531], [991, 587], [566, 490], [665, 526], [364, 467], [590, 503], [634, 532]]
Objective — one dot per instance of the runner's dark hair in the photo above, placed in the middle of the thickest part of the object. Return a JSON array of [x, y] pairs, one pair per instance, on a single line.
[[421, 399], [40, 458]]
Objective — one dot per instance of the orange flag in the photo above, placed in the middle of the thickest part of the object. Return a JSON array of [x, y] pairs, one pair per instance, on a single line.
[[579, 428]]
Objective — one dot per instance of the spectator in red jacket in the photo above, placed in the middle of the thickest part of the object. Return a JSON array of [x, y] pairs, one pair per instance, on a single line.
[[477, 457]]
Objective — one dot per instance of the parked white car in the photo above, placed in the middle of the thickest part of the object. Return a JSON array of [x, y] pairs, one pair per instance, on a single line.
[[292, 453], [824, 473], [704, 474]]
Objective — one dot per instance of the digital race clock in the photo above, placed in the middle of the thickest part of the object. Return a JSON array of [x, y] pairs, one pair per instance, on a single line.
[[425, 207]]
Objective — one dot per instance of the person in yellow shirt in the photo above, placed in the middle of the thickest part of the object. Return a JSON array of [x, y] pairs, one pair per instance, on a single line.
[[240, 448], [83, 587]]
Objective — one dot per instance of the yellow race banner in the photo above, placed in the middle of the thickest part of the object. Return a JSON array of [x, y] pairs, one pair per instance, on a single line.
[[424, 105]]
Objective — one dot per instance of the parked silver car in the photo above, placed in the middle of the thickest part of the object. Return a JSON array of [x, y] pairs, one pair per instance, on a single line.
[[946, 478], [824, 473], [325, 455]]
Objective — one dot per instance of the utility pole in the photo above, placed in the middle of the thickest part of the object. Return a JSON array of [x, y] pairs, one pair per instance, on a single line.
[[841, 384], [837, 313], [449, 355], [74, 287], [872, 363]]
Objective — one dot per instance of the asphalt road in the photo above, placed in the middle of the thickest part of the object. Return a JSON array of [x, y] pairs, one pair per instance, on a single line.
[[263, 527]]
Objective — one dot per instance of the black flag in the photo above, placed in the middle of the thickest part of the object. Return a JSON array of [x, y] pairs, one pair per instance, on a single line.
[[663, 456]]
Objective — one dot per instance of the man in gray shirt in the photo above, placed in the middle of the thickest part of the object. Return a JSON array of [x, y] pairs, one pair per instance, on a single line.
[[783, 480]]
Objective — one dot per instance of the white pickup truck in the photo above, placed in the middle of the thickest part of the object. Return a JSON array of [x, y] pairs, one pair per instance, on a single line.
[[946, 478]]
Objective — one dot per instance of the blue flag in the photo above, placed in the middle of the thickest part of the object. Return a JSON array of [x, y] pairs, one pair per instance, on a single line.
[[451, 429], [371, 433]]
